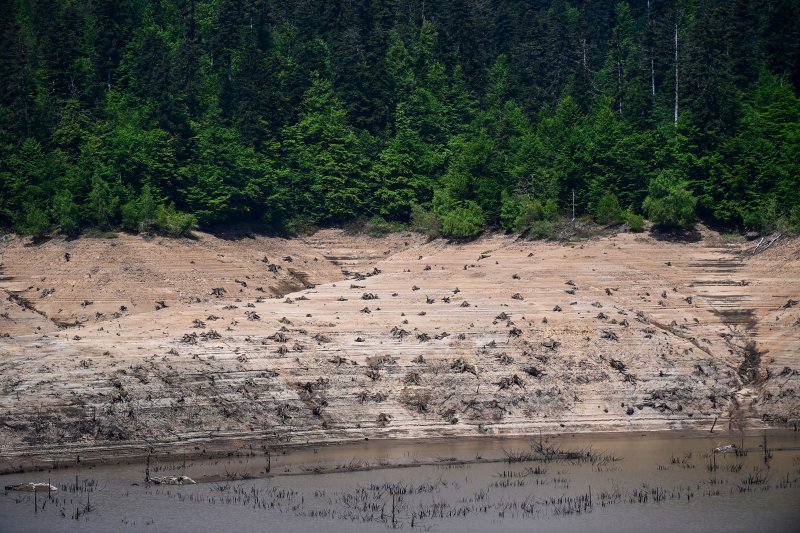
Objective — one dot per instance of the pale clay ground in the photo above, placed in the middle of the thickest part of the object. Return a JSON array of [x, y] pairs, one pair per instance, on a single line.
[[310, 364]]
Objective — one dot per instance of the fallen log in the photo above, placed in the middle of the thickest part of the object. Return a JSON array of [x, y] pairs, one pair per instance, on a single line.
[[32, 487]]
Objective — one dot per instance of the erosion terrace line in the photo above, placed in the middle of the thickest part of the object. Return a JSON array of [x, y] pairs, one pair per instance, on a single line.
[[337, 337]]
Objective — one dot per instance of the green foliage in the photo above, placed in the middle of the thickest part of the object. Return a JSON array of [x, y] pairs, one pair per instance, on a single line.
[[292, 115], [138, 214], [300, 225], [95, 233], [131, 220], [461, 220], [769, 217], [103, 203], [509, 210], [378, 227], [227, 180], [608, 210], [327, 168], [170, 222], [471, 172], [465, 221], [542, 229], [752, 220], [424, 221], [794, 220], [520, 213], [669, 204], [531, 211], [635, 222], [37, 223], [402, 171], [65, 212], [550, 210], [145, 214]]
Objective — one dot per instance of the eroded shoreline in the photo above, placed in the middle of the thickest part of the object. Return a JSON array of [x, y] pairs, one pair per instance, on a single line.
[[339, 338]]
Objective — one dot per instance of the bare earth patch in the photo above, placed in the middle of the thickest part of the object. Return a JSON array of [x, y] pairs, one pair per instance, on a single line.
[[108, 347]]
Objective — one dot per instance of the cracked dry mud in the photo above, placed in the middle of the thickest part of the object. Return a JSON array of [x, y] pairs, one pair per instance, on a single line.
[[135, 343]]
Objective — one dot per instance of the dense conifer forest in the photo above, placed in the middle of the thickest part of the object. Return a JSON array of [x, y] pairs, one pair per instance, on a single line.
[[451, 115]]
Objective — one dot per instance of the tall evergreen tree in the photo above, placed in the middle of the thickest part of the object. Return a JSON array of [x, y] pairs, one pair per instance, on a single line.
[[326, 168]]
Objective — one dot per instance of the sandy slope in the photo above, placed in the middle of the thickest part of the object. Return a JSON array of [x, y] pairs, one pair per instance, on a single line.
[[439, 339]]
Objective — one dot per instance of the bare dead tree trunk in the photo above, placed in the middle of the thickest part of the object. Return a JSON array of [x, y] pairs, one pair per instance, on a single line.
[[619, 84], [573, 207], [652, 75], [583, 46], [652, 62], [676, 74]]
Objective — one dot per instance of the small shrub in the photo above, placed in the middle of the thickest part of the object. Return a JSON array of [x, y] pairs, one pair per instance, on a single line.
[[139, 214], [457, 218], [550, 210], [145, 214], [300, 225], [509, 210], [130, 216], [103, 203], [355, 226], [172, 223], [461, 222], [519, 213], [635, 222], [65, 212], [752, 220], [542, 229], [608, 210], [529, 212], [424, 221], [794, 219], [669, 204], [37, 223], [378, 227]]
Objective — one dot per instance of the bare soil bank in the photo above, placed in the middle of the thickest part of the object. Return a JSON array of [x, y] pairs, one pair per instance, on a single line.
[[134, 343]]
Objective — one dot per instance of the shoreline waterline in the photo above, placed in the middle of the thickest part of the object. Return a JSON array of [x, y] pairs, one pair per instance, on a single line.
[[217, 449], [567, 482]]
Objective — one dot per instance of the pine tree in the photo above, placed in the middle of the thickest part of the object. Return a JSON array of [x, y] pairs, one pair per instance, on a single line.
[[16, 76], [324, 154]]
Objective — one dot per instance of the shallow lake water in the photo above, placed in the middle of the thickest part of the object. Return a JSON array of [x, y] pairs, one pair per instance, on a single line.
[[632, 482]]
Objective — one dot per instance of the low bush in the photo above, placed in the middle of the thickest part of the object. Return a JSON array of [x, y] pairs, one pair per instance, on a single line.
[[608, 210], [669, 204], [37, 223], [424, 221], [635, 222], [529, 212], [753, 221], [299, 225], [461, 221], [794, 219], [378, 227], [542, 229], [519, 213], [172, 223]]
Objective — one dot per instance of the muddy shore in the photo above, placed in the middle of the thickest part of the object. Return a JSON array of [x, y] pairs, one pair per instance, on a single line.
[[111, 347]]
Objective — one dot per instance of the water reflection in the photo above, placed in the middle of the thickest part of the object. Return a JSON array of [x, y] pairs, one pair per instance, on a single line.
[[597, 483]]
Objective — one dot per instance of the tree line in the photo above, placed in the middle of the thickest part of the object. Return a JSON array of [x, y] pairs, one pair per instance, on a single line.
[[453, 115]]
